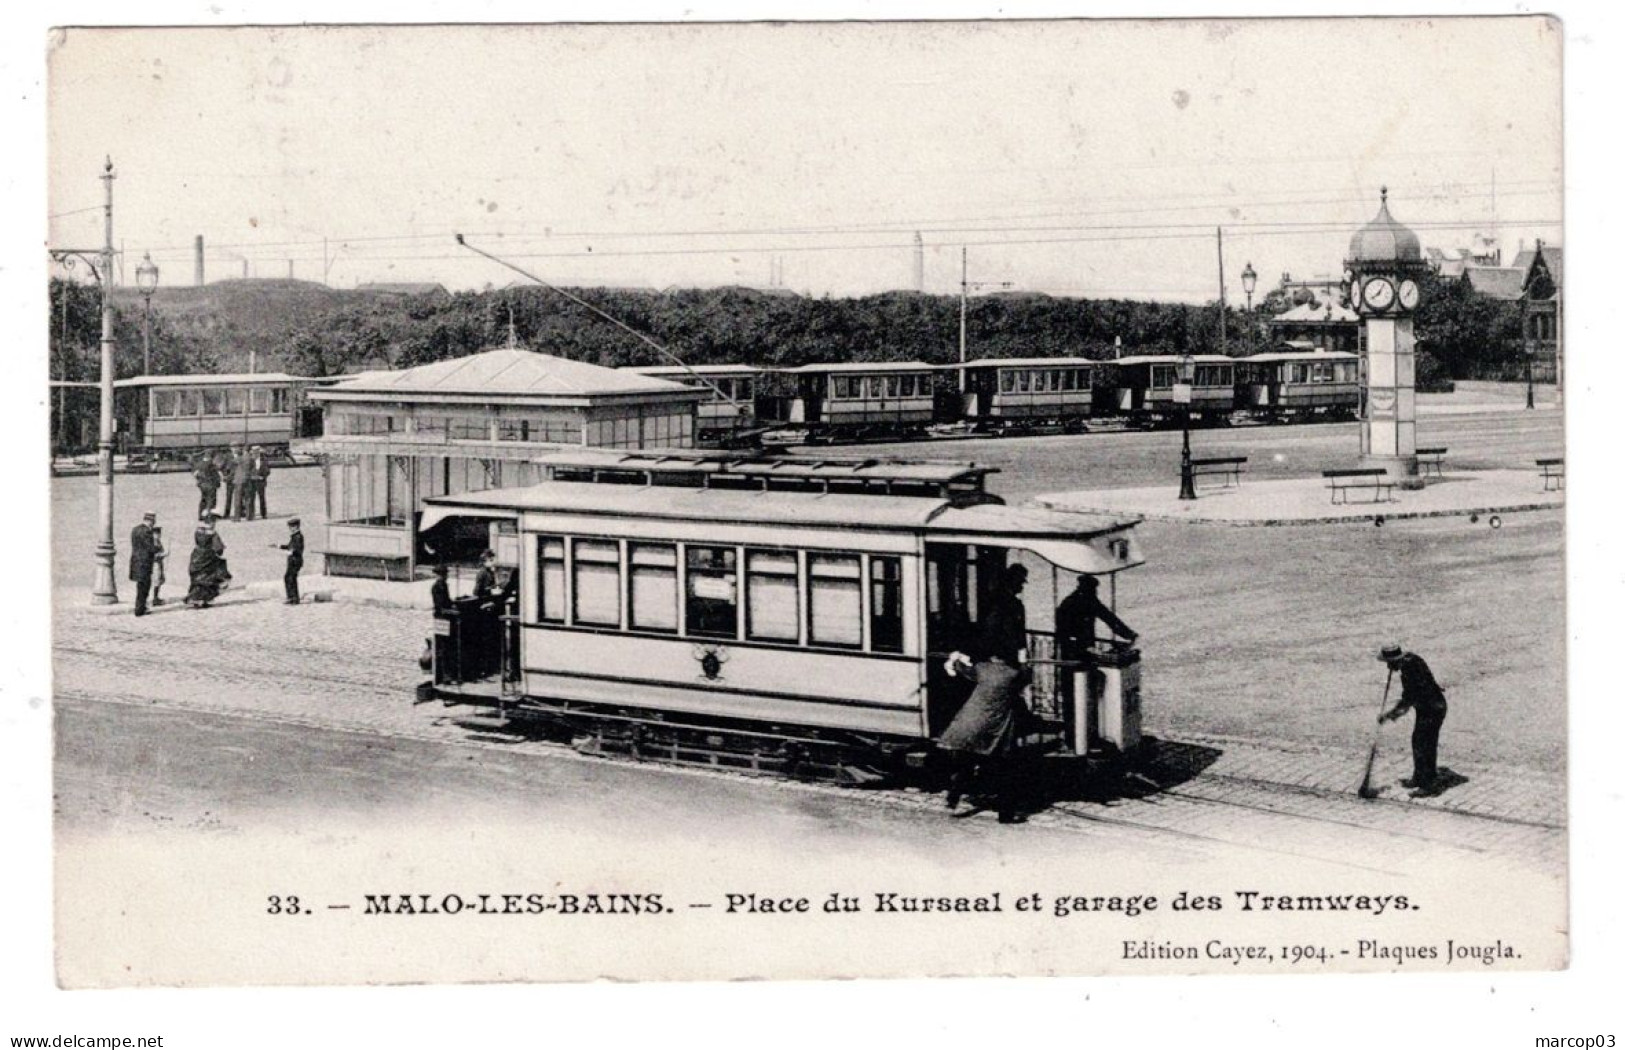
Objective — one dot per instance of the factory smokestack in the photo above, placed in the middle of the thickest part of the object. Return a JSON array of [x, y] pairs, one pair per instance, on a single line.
[[197, 264]]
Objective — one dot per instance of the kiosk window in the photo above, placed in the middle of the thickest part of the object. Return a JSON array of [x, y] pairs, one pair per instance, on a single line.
[[550, 593], [597, 566], [835, 602], [886, 604], [713, 592], [654, 587], [772, 594]]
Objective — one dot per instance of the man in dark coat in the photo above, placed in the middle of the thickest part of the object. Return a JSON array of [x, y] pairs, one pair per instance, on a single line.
[[228, 475], [440, 592], [296, 561], [260, 473], [143, 549], [242, 472], [1078, 616], [1419, 692], [485, 581], [983, 734], [208, 483]]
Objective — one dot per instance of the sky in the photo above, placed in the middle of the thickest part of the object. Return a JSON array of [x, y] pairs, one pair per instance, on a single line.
[[1076, 158]]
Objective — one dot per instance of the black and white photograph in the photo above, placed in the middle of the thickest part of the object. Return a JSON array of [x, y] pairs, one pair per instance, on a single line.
[[785, 501]]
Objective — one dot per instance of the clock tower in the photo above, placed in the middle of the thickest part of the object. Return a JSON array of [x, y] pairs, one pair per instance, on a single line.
[[1383, 268]]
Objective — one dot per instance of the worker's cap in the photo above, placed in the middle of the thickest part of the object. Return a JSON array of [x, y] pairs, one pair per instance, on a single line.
[[1390, 653], [440, 570], [293, 523], [149, 516], [1016, 572], [487, 553]]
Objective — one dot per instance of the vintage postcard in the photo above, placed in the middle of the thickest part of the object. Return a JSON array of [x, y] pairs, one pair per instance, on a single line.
[[787, 500]]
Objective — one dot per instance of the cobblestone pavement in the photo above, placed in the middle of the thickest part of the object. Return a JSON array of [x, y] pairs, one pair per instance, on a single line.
[[345, 667]]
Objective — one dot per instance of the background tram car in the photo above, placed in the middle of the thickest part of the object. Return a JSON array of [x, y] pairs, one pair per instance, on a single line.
[[788, 628], [1024, 393], [854, 399], [728, 418], [174, 416], [1298, 383], [1142, 387]]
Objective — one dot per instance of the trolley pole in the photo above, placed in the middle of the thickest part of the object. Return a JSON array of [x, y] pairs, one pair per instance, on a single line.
[[105, 591]]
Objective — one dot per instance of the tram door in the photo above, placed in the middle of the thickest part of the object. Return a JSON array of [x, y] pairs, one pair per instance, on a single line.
[[958, 579]]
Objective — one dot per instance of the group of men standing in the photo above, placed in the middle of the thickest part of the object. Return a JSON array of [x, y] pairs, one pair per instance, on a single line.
[[244, 475]]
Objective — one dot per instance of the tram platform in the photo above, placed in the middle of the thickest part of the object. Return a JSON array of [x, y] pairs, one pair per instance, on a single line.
[[1307, 501]]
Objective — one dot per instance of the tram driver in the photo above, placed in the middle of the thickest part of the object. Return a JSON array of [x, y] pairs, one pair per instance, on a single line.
[[1077, 621]]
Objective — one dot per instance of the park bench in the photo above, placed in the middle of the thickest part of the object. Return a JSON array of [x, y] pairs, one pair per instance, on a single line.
[[1551, 473], [1374, 478], [1228, 466], [1431, 458]]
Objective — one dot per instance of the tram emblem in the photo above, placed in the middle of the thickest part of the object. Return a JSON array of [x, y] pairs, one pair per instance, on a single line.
[[711, 658]]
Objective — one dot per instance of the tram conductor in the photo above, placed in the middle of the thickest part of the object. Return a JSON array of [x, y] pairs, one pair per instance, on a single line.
[[982, 736], [1078, 616]]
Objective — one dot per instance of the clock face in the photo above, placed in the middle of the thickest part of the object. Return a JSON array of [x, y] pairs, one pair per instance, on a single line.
[[1354, 294], [1378, 293], [1409, 294]]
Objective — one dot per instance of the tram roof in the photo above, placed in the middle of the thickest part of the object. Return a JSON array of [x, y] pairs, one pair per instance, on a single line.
[[212, 379], [661, 371], [1060, 537], [1027, 362], [1171, 359], [1302, 355], [860, 366], [833, 468]]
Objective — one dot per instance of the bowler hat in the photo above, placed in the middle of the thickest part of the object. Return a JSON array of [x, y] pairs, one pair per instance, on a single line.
[[1390, 653]]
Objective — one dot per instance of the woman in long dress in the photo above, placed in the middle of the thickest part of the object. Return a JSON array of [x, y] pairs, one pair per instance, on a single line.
[[208, 569], [980, 739]]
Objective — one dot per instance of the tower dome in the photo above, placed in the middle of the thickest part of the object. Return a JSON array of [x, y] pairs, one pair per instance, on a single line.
[[1383, 240]]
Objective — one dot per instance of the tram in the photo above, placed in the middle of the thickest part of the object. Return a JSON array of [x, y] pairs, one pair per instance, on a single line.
[[728, 416], [1018, 394], [1300, 383], [853, 400], [1142, 388], [777, 614], [172, 417]]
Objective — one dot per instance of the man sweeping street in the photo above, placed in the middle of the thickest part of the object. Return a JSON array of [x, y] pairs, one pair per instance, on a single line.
[[1419, 692]]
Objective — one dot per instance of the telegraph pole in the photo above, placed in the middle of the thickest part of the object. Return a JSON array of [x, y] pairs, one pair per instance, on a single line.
[[1224, 342]]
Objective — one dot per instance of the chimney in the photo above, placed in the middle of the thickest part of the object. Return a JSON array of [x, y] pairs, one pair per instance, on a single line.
[[197, 264]]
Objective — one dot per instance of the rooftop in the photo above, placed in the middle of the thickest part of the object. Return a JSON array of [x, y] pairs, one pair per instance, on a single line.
[[507, 373], [228, 379], [1026, 362], [1324, 313]]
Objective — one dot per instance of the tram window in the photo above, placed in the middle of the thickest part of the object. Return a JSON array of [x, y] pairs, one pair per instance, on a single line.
[[713, 592], [163, 403], [654, 587], [279, 400], [893, 386], [550, 601], [259, 401], [1162, 377], [834, 601], [886, 604], [1040, 380], [771, 596], [213, 402], [236, 401], [597, 580], [1007, 381], [186, 402], [1323, 372], [744, 388]]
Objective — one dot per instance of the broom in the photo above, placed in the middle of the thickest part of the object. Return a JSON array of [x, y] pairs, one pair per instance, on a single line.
[[1366, 790]]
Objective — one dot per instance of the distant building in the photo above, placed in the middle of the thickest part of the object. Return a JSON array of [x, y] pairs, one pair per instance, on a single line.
[[1541, 311], [392, 438]]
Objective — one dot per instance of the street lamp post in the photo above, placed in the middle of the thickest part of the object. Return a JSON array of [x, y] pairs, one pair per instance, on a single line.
[[1249, 281], [103, 591], [1529, 373], [146, 279], [1187, 479]]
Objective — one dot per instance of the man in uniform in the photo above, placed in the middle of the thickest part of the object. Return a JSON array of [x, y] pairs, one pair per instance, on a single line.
[[1076, 621], [296, 561], [1419, 692], [228, 475], [485, 581], [143, 548]]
